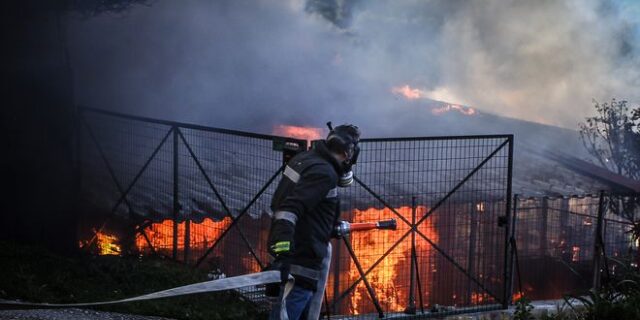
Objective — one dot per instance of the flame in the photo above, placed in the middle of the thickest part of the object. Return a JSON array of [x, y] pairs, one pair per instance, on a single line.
[[449, 107], [517, 296], [369, 246], [201, 235], [521, 294], [480, 298], [408, 93], [107, 244], [575, 254], [305, 133]]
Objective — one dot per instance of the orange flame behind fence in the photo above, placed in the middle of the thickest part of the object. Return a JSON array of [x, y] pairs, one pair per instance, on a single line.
[[201, 235], [107, 244], [480, 298], [305, 133], [390, 279]]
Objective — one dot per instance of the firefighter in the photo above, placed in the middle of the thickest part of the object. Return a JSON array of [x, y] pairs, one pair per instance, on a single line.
[[304, 208]]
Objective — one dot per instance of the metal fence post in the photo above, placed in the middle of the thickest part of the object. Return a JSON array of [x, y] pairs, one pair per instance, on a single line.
[[505, 277], [597, 243], [411, 304], [176, 182], [78, 169], [473, 241], [512, 254], [544, 226], [187, 240]]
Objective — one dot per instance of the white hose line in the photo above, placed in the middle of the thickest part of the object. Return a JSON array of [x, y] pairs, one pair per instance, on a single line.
[[247, 280]]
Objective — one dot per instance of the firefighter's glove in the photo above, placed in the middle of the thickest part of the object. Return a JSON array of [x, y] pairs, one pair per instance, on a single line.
[[281, 238], [280, 247]]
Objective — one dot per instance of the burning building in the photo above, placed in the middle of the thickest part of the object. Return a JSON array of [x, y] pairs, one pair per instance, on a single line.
[[201, 195]]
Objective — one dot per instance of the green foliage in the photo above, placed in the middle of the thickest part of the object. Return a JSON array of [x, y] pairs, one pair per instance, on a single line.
[[620, 299], [39, 276], [613, 137], [523, 310]]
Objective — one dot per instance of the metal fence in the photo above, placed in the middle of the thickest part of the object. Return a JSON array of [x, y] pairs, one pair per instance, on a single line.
[[448, 254], [200, 195], [567, 245]]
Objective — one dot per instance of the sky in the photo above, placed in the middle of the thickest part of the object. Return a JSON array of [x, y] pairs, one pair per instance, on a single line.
[[260, 63]]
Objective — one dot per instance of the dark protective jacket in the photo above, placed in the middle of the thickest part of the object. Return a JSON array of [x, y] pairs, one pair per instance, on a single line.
[[307, 196]]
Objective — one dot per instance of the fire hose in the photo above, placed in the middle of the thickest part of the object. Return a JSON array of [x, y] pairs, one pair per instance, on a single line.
[[343, 228], [248, 280]]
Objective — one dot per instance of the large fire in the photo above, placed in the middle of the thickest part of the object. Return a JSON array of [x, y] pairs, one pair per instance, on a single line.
[[305, 133], [160, 235], [395, 268]]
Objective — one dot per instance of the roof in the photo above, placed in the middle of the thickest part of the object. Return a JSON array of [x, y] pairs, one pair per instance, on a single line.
[[238, 167]]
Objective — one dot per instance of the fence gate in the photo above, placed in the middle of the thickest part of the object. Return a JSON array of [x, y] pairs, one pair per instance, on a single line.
[[199, 195], [451, 199]]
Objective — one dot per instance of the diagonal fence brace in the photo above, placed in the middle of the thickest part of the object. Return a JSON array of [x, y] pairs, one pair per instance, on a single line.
[[219, 197], [242, 213]]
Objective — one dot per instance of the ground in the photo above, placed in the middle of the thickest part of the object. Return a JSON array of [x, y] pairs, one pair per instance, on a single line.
[[36, 275], [70, 314]]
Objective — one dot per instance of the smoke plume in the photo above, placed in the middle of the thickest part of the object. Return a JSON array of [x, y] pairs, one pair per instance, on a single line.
[[256, 64]]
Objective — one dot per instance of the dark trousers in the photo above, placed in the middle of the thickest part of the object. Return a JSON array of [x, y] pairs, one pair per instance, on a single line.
[[297, 304]]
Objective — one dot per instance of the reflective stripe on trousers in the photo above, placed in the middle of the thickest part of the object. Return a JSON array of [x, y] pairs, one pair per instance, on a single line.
[[316, 301]]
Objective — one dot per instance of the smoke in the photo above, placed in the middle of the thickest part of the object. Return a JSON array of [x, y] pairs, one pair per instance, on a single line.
[[542, 61], [255, 64]]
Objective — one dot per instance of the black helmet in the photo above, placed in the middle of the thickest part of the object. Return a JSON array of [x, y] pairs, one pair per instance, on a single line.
[[345, 138]]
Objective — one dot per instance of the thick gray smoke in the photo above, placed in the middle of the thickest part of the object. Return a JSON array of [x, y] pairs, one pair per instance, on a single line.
[[254, 64], [537, 60]]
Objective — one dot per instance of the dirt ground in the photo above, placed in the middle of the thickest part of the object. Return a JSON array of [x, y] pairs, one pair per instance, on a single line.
[[69, 314]]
